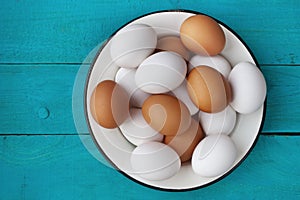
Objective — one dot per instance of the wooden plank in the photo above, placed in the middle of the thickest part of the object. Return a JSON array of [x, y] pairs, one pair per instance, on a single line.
[[59, 167], [62, 32], [283, 108], [37, 99]]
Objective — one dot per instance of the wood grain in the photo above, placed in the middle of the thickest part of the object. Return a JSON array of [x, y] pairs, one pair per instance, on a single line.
[[37, 99], [59, 167], [64, 32], [283, 108]]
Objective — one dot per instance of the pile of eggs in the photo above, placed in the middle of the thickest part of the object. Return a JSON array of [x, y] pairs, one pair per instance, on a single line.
[[176, 98]]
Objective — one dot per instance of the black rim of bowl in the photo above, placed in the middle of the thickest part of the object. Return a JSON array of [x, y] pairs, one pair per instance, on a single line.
[[113, 164]]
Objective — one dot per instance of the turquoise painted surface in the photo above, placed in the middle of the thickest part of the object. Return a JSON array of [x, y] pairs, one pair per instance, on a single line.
[[42, 46], [61, 168], [64, 32], [34, 88]]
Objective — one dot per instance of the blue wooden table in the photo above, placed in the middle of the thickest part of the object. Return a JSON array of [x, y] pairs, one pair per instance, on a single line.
[[43, 45]]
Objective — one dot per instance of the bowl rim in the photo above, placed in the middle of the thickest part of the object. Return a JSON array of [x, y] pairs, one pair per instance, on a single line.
[[92, 65]]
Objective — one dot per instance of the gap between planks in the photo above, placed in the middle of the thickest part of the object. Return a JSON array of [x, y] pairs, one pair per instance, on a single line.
[[72, 134], [84, 63]]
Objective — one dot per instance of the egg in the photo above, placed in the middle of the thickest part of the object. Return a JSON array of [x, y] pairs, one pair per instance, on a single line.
[[248, 87], [137, 131], [218, 123], [126, 78], [185, 143], [214, 155], [208, 89], [173, 43], [109, 104], [217, 62], [181, 93], [202, 35], [161, 72], [166, 114], [132, 44], [154, 161]]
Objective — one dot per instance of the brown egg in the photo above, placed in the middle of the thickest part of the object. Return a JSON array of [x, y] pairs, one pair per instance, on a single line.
[[173, 43], [109, 104], [166, 114], [185, 143], [202, 35], [208, 89]]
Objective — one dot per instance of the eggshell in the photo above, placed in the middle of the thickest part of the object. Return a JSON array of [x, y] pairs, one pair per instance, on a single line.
[[202, 35], [161, 72], [126, 78], [218, 123], [173, 43], [166, 114], [109, 104], [137, 131], [248, 87], [181, 93], [214, 155], [132, 44], [217, 62], [185, 143], [208, 89], [155, 161]]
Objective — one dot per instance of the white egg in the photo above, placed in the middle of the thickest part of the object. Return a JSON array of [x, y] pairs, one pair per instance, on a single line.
[[126, 78], [132, 44], [217, 62], [155, 161], [214, 155], [248, 87], [137, 131], [218, 123], [182, 94], [161, 72]]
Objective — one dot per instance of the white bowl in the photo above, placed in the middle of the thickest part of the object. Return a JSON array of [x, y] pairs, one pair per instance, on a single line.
[[117, 149]]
